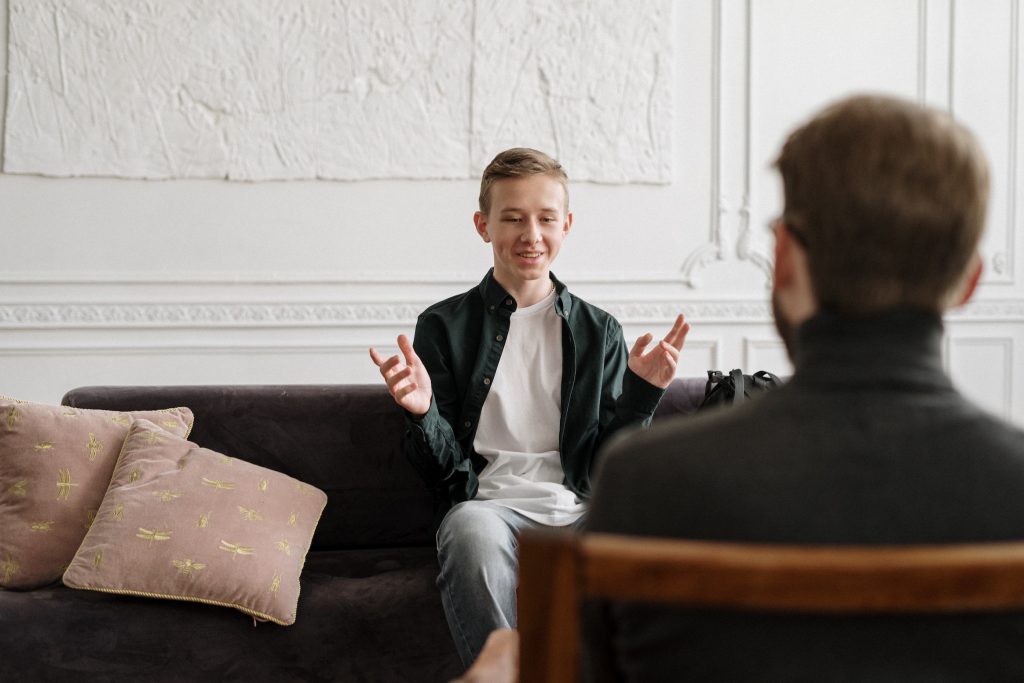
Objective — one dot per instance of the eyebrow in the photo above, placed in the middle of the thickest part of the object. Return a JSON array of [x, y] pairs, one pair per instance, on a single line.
[[543, 209]]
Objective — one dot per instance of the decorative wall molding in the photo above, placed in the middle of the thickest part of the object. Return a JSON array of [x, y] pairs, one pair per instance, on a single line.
[[951, 49], [733, 114], [1006, 261], [362, 314], [922, 50], [1000, 261], [714, 248], [994, 311], [206, 314], [745, 248], [934, 53], [696, 311], [317, 314]]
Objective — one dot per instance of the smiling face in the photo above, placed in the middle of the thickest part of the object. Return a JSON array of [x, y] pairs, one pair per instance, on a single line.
[[525, 227]]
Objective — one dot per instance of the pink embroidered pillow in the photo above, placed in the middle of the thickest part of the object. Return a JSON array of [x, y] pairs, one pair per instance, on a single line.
[[186, 523], [55, 464]]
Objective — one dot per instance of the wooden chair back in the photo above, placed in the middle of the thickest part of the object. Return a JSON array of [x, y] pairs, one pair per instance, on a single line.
[[559, 570]]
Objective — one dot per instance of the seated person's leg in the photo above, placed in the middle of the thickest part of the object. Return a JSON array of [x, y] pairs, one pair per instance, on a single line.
[[476, 549]]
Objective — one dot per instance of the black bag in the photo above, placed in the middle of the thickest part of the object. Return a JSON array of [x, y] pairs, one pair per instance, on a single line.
[[735, 388]]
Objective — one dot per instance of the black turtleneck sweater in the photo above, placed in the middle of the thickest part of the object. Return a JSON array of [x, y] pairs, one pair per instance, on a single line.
[[868, 443]]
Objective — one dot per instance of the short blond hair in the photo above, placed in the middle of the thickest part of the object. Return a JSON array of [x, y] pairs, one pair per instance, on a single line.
[[889, 199], [519, 162]]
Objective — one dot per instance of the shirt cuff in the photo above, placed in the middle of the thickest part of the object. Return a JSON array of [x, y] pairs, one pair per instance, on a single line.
[[643, 396], [426, 421]]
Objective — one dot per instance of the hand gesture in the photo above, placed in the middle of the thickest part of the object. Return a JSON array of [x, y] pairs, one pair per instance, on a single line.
[[408, 383], [658, 366]]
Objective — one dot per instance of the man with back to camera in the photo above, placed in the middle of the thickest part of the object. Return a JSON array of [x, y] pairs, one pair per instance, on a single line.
[[868, 443], [511, 389]]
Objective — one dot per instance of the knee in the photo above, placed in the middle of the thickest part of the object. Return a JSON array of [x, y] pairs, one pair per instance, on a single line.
[[473, 527]]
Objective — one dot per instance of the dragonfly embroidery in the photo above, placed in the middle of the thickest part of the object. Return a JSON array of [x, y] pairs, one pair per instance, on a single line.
[[64, 484], [154, 535], [236, 549], [218, 484], [94, 446]]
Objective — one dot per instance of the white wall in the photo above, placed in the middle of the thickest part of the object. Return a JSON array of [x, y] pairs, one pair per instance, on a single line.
[[108, 281]]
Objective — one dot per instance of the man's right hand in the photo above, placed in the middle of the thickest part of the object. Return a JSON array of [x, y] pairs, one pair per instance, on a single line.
[[408, 382]]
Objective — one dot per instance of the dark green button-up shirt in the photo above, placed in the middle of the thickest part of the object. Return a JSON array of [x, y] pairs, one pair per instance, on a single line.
[[460, 341]]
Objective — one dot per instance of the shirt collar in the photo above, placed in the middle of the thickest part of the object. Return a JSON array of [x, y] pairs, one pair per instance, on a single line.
[[495, 296]]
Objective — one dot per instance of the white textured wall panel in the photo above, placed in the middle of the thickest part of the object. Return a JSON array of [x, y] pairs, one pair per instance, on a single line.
[[337, 89], [588, 79], [251, 89]]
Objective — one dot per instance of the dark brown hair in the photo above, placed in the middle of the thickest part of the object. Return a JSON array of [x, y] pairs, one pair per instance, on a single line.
[[889, 199]]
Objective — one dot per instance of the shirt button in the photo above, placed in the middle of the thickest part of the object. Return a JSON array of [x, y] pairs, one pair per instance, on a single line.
[[468, 423], [500, 338], [508, 302], [487, 380], [490, 308]]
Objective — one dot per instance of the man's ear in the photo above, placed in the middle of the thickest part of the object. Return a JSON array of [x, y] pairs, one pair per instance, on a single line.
[[783, 271], [970, 283], [480, 223], [791, 286], [568, 224]]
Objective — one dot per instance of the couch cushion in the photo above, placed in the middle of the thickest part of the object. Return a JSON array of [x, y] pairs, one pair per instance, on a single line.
[[366, 615], [187, 523], [55, 464]]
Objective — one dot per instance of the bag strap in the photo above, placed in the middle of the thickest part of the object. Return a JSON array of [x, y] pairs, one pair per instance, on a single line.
[[714, 378], [765, 379], [738, 394]]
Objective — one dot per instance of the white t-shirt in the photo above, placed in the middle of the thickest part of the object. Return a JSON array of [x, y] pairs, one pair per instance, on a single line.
[[519, 422]]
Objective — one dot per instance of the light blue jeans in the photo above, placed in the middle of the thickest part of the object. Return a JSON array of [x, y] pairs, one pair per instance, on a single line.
[[476, 549]]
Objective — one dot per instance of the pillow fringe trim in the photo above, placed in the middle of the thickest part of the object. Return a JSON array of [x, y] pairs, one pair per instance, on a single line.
[[185, 598]]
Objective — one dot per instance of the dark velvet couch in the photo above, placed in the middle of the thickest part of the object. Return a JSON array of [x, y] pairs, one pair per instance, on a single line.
[[368, 611]]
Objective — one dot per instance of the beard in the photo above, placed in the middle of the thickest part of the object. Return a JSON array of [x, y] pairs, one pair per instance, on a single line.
[[785, 327]]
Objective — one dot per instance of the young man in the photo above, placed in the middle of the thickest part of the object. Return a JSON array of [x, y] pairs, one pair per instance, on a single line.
[[868, 443], [510, 389]]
